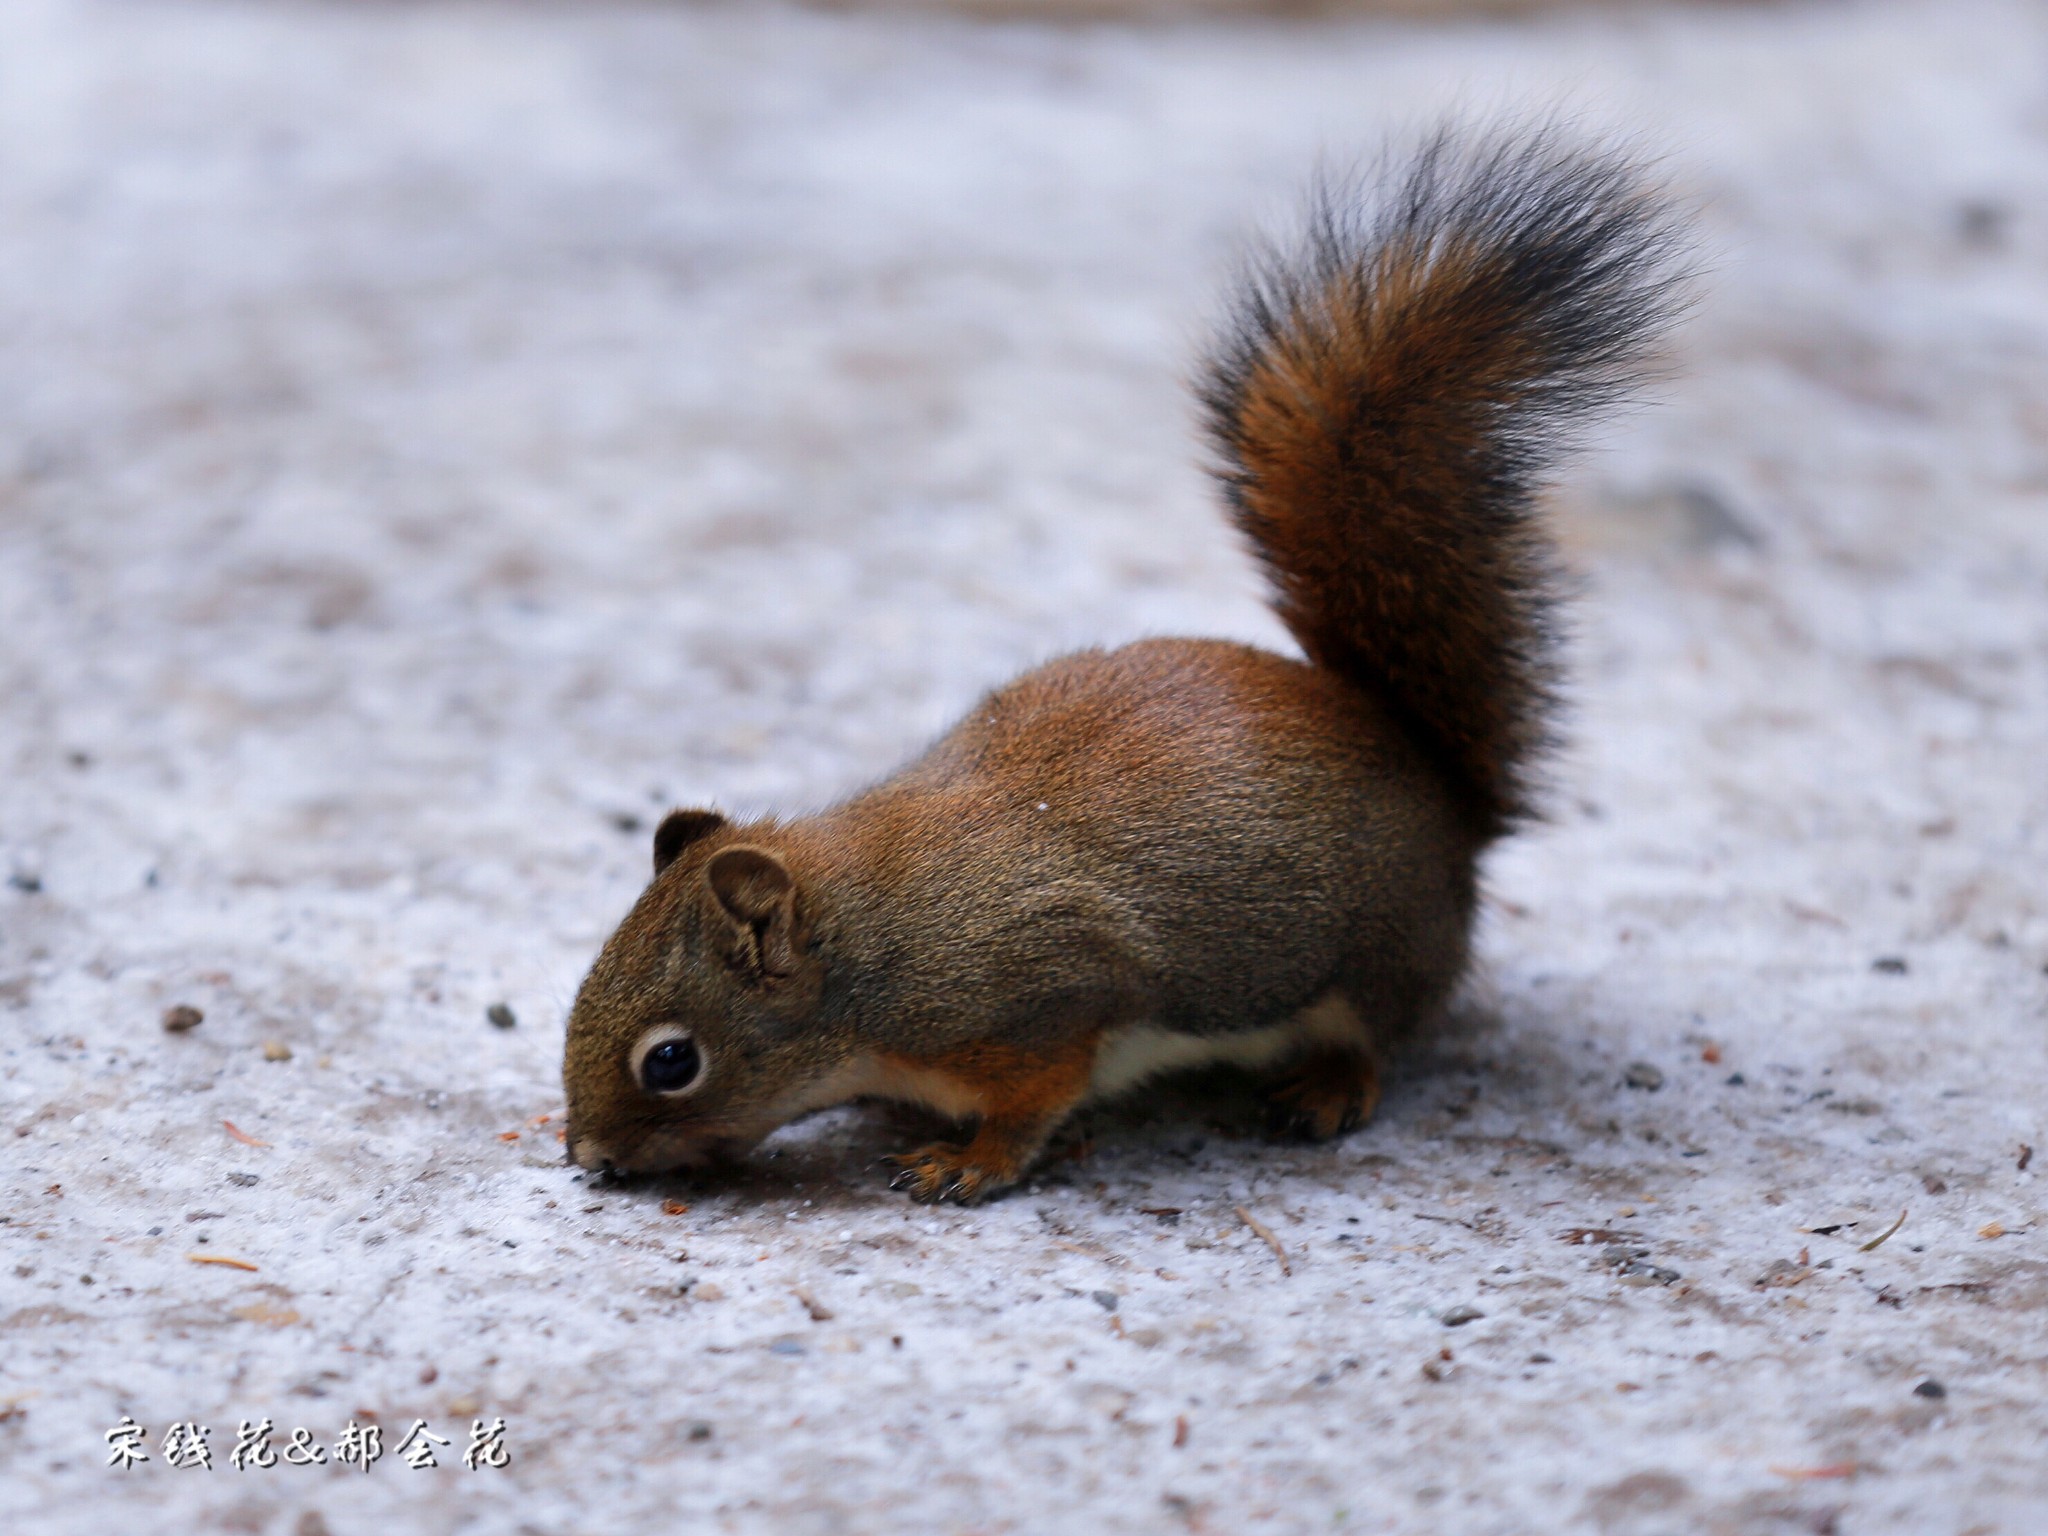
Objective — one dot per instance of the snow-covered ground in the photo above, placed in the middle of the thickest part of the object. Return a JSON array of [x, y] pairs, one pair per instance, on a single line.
[[436, 438]]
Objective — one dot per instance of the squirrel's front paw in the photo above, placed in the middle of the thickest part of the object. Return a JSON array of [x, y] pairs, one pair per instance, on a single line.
[[940, 1172]]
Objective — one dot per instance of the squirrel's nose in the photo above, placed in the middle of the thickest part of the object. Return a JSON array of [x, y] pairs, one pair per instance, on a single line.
[[581, 1152]]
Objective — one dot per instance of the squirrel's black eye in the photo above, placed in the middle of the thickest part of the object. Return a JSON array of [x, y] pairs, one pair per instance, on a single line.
[[670, 1065]]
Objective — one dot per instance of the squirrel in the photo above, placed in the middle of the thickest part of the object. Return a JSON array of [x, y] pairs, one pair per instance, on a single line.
[[1191, 851]]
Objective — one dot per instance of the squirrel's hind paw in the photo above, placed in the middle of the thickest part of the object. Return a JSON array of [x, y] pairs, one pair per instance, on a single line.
[[1329, 1093]]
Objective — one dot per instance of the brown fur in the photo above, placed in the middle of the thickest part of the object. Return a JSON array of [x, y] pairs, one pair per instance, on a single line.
[[1183, 836], [1387, 402]]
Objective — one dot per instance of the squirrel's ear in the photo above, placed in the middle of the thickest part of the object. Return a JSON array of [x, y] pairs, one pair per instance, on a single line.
[[758, 893], [678, 830]]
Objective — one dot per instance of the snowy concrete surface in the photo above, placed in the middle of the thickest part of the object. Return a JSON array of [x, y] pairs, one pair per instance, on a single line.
[[439, 437]]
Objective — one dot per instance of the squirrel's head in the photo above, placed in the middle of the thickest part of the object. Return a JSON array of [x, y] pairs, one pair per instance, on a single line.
[[692, 1037]]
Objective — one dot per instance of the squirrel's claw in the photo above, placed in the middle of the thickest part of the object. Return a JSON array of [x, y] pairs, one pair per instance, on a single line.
[[1328, 1095], [938, 1173]]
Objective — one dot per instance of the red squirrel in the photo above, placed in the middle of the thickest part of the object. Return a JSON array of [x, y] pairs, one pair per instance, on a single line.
[[1185, 852]]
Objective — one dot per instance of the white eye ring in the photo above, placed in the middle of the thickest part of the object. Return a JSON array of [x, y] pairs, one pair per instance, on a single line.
[[660, 1035]]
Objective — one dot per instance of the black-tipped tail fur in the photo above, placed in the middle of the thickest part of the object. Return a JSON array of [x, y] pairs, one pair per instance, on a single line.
[[1387, 399]]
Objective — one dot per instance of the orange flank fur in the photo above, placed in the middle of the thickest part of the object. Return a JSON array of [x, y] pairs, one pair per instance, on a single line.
[[1020, 1097]]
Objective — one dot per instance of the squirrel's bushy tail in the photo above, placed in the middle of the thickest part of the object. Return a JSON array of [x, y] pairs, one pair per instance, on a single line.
[[1387, 399]]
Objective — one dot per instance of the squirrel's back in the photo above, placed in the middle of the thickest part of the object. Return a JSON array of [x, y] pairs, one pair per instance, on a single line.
[[1387, 398]]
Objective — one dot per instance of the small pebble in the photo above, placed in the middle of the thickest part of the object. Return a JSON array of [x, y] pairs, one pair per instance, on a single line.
[[785, 1347], [1459, 1316], [183, 1017], [1930, 1388], [1781, 1272], [246, 1180], [501, 1014], [700, 1431], [1636, 1272], [1105, 1300], [1983, 222], [276, 1050], [1889, 965], [27, 884], [1642, 1075]]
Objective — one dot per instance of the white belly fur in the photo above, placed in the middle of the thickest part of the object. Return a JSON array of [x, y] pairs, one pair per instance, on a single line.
[[1130, 1055]]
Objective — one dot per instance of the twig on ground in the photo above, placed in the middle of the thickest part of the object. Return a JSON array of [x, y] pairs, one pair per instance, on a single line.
[[820, 1313], [1093, 1251], [221, 1258], [1879, 1240], [1799, 909], [1266, 1232], [1449, 1221], [1598, 1235]]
